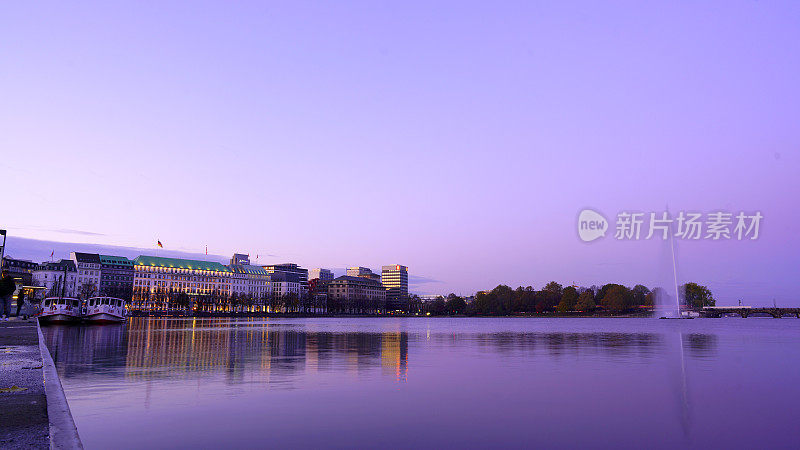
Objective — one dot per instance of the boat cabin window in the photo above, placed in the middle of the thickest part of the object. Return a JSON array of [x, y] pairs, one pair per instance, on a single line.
[[91, 302], [47, 302], [105, 301], [62, 302], [74, 303]]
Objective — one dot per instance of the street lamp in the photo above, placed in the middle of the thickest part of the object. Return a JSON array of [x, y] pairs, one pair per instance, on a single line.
[[3, 249]]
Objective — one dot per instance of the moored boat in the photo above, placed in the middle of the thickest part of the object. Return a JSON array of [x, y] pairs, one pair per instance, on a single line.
[[60, 309], [105, 310]]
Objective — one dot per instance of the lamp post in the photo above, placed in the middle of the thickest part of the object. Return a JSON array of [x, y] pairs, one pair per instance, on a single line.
[[3, 249]]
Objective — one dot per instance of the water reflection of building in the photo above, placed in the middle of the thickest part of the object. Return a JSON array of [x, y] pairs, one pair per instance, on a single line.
[[78, 350], [254, 351], [394, 353], [275, 353]]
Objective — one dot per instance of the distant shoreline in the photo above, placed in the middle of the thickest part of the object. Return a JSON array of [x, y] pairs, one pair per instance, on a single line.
[[643, 314]]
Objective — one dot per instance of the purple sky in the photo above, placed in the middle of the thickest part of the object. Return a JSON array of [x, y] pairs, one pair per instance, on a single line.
[[460, 139]]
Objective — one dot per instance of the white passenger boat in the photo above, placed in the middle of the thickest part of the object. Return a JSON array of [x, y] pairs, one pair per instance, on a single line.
[[105, 310], [60, 309]]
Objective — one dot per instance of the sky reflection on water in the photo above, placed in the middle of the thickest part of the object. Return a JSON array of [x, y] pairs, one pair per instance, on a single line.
[[432, 382]]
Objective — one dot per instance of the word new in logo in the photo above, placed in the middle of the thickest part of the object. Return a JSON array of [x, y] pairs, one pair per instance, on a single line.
[[591, 225]]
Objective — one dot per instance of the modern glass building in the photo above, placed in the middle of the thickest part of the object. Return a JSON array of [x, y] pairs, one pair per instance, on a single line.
[[321, 274], [395, 279]]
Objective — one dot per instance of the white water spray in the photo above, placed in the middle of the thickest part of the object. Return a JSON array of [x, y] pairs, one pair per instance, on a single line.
[[674, 269]]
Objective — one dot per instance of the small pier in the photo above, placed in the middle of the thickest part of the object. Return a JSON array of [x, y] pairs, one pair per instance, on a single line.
[[746, 311]]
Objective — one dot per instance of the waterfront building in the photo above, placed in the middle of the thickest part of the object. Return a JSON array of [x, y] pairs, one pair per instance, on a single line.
[[166, 283], [293, 274], [57, 277], [88, 266], [357, 271], [116, 277], [286, 283], [371, 276], [252, 281], [321, 274], [431, 298], [20, 268], [395, 279], [240, 259], [318, 293], [356, 295], [363, 272], [238, 281]]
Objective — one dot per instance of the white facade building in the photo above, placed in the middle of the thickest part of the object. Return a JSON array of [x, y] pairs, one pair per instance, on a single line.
[[155, 277], [88, 266], [238, 282], [251, 280], [51, 276]]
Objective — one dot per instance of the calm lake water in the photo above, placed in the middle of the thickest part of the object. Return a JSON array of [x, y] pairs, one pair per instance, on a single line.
[[433, 383]]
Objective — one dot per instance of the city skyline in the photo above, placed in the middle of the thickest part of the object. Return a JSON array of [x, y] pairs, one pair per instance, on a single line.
[[460, 139]]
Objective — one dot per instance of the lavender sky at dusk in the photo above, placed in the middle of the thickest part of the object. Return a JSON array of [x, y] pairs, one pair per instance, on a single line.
[[458, 138]]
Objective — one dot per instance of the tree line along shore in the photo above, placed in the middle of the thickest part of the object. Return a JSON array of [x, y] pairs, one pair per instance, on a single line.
[[553, 300], [610, 298]]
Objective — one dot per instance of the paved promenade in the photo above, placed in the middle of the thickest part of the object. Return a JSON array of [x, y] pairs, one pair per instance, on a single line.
[[33, 409], [23, 415]]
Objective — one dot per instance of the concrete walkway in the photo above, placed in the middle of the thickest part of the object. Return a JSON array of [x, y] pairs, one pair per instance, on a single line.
[[23, 415], [33, 409]]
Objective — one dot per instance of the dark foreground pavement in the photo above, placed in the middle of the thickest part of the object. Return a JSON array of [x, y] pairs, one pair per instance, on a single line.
[[23, 404]]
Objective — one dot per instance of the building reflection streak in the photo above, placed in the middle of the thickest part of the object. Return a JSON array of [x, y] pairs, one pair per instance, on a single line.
[[162, 348], [394, 354]]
